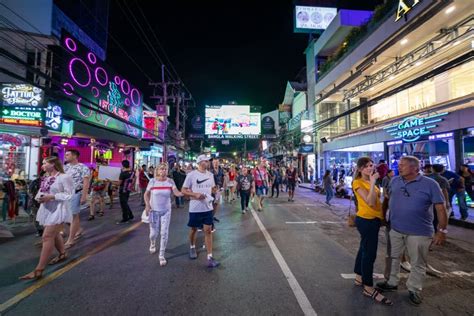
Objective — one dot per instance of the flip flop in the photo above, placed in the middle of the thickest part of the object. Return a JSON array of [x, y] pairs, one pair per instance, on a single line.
[[79, 235], [67, 246]]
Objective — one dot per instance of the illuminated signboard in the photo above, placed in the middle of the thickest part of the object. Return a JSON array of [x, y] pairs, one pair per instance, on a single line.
[[54, 117], [19, 115], [404, 6], [413, 128], [310, 19], [85, 78], [153, 122], [13, 94], [231, 121]]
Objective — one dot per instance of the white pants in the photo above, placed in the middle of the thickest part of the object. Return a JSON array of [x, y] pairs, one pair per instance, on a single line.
[[160, 224]]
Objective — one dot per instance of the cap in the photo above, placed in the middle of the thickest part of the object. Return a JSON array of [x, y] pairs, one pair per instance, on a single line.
[[202, 158]]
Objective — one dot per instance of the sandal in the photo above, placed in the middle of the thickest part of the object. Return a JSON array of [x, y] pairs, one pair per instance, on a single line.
[[35, 275], [90, 218], [378, 297], [58, 259], [100, 214], [357, 282], [79, 235], [68, 245]]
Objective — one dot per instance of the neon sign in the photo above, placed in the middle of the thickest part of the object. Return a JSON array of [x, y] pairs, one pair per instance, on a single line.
[[97, 89], [404, 6], [21, 94], [413, 128]]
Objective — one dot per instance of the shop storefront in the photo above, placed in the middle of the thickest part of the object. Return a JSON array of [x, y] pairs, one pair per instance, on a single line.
[[346, 158], [151, 157]]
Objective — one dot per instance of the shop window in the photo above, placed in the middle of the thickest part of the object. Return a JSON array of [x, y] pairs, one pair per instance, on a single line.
[[462, 80]]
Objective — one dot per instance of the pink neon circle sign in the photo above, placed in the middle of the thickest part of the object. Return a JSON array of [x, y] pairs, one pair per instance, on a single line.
[[125, 83], [136, 99], [70, 44], [95, 92], [104, 75], [71, 72], [91, 58], [68, 88]]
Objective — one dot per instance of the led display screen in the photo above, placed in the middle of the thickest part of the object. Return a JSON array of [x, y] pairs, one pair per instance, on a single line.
[[232, 121]]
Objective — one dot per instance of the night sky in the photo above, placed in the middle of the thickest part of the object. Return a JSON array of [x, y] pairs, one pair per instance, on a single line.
[[243, 51]]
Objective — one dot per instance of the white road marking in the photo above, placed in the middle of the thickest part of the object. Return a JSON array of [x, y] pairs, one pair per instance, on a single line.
[[352, 276], [294, 285], [315, 222]]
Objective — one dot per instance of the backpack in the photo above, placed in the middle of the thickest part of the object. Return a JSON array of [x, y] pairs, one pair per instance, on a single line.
[[129, 185]]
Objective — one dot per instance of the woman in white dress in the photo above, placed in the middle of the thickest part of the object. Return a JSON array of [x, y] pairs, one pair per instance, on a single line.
[[56, 190], [158, 208]]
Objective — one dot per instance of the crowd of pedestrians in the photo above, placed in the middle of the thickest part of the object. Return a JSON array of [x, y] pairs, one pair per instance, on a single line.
[[413, 208]]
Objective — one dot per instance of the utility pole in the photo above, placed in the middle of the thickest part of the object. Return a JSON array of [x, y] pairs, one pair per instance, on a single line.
[[163, 101]]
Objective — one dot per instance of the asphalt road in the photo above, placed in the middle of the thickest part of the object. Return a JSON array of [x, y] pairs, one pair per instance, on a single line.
[[111, 272]]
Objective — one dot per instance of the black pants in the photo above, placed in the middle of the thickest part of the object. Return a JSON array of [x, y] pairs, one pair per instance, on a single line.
[[369, 239], [276, 186], [244, 199], [126, 211]]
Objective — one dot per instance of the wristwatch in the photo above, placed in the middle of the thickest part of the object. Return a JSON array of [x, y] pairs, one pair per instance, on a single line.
[[444, 231]]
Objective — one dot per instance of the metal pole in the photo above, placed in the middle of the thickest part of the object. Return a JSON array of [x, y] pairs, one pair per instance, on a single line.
[[165, 102]]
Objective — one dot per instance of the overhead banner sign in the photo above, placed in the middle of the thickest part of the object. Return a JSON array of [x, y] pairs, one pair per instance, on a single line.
[[284, 113], [13, 94], [312, 19], [413, 128], [96, 94]]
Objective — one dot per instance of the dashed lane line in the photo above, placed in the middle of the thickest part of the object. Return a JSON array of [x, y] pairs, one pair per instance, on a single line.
[[51, 277], [294, 285]]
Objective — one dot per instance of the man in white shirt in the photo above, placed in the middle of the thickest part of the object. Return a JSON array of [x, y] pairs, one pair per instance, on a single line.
[[199, 186]]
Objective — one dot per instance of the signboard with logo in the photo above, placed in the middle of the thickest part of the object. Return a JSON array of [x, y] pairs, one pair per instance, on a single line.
[[268, 125], [312, 19], [20, 115], [307, 149], [13, 94], [54, 117], [404, 6], [150, 122], [284, 113], [412, 128], [295, 122], [96, 94]]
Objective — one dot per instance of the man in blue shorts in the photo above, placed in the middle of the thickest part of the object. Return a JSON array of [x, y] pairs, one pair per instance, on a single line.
[[199, 186]]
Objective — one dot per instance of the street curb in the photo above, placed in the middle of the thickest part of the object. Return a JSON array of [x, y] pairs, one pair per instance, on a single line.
[[452, 221]]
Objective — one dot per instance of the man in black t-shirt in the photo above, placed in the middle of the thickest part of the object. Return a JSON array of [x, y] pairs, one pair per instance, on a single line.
[[125, 185]]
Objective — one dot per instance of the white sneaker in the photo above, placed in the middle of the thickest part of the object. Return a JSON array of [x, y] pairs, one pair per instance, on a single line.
[[163, 261], [405, 266], [152, 247], [247, 209]]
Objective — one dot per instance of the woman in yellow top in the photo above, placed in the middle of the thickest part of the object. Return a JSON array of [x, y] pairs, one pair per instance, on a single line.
[[368, 221]]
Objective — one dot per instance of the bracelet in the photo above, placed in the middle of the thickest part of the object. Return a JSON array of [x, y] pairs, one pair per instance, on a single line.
[[444, 231]]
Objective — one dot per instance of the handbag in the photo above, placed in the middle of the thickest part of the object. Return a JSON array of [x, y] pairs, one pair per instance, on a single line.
[[145, 217]]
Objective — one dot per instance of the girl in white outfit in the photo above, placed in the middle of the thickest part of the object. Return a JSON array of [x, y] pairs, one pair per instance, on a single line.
[[56, 190], [158, 208]]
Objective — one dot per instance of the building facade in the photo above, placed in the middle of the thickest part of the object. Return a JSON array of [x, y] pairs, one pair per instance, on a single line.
[[401, 83]]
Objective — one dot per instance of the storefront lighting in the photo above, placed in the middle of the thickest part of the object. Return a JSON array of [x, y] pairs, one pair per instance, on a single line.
[[456, 43], [450, 9], [64, 141], [418, 63], [404, 41], [391, 77]]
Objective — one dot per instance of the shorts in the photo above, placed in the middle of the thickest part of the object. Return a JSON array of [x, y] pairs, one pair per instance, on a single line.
[[97, 194], [75, 203], [291, 186], [231, 184], [261, 190], [197, 220]]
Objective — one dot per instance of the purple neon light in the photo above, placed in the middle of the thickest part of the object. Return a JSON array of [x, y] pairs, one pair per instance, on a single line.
[[117, 80], [68, 85], [70, 44], [95, 92], [137, 103], [123, 89], [91, 58], [96, 74], [78, 107], [72, 73], [127, 102]]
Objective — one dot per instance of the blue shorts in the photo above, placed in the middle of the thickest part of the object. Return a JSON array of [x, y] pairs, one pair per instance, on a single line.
[[291, 185], [261, 190], [197, 220], [75, 203]]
